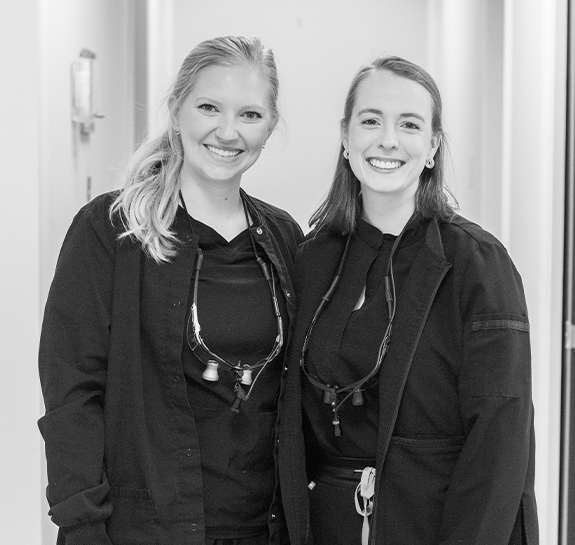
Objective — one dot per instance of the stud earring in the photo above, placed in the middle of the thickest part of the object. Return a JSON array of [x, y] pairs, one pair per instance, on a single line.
[[430, 163], [346, 154]]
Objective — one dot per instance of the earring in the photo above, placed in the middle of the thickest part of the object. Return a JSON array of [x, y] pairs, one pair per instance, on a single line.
[[346, 154], [430, 163]]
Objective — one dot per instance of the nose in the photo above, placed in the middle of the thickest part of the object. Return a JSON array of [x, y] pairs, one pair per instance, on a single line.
[[388, 138], [227, 130]]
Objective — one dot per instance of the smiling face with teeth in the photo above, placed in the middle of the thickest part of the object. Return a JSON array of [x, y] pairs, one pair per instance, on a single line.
[[224, 122], [389, 137]]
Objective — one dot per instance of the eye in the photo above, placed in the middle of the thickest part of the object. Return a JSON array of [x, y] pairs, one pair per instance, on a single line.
[[411, 126], [207, 107], [370, 122], [252, 116]]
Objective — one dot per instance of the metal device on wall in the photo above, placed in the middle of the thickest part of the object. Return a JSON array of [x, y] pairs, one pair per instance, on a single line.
[[83, 109]]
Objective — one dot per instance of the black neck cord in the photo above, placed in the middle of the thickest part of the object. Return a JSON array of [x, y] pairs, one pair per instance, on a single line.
[[212, 361], [353, 389]]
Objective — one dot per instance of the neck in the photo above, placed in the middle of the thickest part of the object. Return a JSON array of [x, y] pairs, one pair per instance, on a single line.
[[388, 215], [219, 206]]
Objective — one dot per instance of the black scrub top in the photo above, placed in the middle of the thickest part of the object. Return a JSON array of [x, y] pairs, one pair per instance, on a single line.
[[235, 312], [345, 342]]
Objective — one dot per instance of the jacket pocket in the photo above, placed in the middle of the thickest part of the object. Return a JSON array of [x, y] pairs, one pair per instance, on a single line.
[[132, 521], [415, 479], [439, 445], [497, 351]]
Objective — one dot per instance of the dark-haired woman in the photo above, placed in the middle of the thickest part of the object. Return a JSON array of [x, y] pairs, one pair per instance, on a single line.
[[164, 330], [407, 415]]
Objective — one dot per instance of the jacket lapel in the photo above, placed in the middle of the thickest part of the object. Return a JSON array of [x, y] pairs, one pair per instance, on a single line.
[[412, 309], [418, 293]]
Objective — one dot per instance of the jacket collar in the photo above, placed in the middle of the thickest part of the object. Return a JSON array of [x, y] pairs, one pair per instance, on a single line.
[[252, 208], [413, 231]]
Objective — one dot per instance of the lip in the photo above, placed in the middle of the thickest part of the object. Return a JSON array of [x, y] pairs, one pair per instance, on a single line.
[[385, 164], [226, 154]]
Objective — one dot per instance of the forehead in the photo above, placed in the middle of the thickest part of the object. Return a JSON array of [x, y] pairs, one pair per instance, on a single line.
[[238, 83], [383, 90]]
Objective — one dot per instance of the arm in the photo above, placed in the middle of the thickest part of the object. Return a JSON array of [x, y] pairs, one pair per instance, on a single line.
[[485, 494], [72, 363]]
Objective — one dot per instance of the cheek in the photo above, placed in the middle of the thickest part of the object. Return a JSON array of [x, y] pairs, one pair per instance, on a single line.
[[191, 126], [357, 140], [357, 166], [417, 148], [256, 137], [358, 150]]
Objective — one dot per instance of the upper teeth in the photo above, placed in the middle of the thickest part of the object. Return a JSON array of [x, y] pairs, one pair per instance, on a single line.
[[384, 164], [223, 152]]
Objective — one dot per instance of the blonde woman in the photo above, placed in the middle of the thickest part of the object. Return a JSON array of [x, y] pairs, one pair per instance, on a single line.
[[164, 331]]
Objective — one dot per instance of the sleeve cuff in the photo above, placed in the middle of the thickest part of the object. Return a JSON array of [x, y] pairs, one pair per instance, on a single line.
[[91, 533]]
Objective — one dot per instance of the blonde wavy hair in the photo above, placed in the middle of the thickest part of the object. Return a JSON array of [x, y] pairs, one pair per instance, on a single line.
[[148, 202]]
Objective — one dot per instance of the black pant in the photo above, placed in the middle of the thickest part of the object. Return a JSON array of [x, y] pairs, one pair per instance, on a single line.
[[333, 517]]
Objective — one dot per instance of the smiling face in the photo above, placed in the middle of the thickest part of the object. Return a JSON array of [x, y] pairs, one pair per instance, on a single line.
[[389, 136], [224, 122]]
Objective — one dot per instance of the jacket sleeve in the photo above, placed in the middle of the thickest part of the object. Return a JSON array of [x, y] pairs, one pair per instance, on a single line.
[[72, 364], [484, 502]]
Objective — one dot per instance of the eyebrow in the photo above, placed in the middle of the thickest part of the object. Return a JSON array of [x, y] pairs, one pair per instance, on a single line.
[[379, 112], [217, 103]]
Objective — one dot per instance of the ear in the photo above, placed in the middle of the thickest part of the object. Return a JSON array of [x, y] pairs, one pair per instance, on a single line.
[[343, 134], [434, 145], [272, 127], [174, 121]]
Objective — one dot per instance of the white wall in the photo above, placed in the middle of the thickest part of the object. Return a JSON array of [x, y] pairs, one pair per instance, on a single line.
[[68, 158], [466, 59], [533, 181], [20, 506]]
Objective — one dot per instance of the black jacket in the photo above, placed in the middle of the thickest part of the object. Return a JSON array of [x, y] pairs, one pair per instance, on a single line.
[[455, 449], [123, 458]]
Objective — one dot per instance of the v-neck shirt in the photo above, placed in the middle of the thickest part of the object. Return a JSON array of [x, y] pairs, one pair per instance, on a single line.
[[235, 308]]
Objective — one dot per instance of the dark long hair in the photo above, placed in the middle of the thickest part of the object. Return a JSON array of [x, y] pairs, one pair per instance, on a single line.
[[433, 199]]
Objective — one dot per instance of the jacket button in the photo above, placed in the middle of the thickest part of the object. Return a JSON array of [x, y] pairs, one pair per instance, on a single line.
[[188, 452], [259, 231], [194, 527], [177, 378], [288, 294], [177, 303]]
